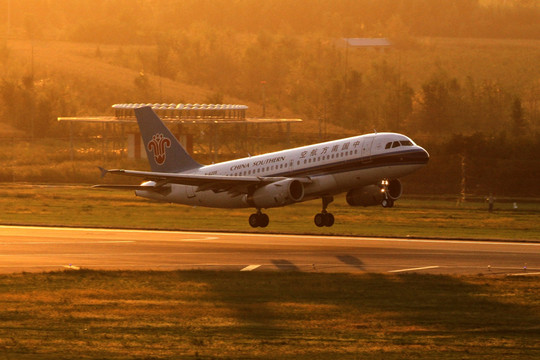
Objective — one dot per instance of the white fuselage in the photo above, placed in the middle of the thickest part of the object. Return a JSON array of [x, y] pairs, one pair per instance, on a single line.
[[332, 167]]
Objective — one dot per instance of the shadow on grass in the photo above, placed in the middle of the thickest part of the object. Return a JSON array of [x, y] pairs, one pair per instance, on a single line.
[[407, 307], [286, 315]]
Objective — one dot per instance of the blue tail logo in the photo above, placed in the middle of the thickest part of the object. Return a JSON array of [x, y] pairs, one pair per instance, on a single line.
[[158, 146]]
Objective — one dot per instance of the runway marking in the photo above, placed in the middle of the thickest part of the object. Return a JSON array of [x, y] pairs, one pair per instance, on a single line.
[[65, 242], [250, 267], [414, 269], [72, 267], [218, 235], [524, 274], [201, 239]]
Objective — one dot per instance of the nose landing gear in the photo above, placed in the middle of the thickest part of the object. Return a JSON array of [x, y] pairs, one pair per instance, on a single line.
[[387, 201]]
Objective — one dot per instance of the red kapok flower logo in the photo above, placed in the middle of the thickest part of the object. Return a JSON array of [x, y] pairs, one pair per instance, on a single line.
[[157, 145]]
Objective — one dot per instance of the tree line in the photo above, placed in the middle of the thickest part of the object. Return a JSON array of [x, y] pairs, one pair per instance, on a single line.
[[286, 54], [123, 21]]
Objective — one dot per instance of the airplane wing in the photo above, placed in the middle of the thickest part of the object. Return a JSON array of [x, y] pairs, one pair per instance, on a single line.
[[216, 183]]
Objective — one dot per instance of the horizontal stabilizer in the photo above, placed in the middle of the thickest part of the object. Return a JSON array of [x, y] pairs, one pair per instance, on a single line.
[[103, 171]]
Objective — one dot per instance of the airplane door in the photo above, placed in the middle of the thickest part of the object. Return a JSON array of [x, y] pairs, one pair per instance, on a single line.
[[366, 148]]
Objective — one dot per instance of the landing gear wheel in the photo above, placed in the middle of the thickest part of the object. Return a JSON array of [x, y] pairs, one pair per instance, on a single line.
[[254, 220], [319, 220], [259, 220], [387, 203], [263, 220], [328, 219], [324, 219]]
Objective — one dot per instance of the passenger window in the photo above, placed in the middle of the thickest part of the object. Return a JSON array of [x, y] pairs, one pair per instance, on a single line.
[[395, 144]]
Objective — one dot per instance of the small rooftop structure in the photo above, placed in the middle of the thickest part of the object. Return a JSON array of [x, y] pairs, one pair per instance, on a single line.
[[367, 42], [182, 114], [186, 111]]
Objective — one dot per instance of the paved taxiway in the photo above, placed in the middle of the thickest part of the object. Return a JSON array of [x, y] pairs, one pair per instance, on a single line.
[[46, 249]]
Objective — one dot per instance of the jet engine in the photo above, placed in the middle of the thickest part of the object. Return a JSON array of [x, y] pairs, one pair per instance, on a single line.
[[277, 194], [394, 189], [375, 194], [365, 196]]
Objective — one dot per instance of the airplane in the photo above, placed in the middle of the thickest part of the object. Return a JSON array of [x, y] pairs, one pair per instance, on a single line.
[[366, 167]]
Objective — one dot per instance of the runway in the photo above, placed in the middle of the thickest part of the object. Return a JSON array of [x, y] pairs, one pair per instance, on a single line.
[[34, 249]]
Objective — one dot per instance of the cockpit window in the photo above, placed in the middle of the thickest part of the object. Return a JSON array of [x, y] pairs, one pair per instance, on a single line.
[[406, 143], [395, 144], [388, 145]]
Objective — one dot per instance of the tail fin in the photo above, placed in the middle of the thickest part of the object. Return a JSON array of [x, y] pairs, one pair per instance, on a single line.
[[164, 152]]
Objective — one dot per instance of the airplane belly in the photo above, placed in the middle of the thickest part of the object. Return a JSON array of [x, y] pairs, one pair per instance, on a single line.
[[352, 179], [362, 177], [223, 200], [325, 184], [397, 171]]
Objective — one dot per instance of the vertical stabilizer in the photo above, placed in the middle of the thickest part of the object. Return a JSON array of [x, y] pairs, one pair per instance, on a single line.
[[164, 152]]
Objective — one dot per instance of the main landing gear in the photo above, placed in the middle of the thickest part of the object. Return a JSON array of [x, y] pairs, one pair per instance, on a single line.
[[259, 219], [325, 218]]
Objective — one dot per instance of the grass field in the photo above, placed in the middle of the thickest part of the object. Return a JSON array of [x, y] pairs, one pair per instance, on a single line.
[[415, 217], [284, 315], [267, 315]]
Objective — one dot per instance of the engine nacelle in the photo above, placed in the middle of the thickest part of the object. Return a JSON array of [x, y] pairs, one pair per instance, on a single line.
[[365, 196], [394, 189], [277, 194], [374, 194]]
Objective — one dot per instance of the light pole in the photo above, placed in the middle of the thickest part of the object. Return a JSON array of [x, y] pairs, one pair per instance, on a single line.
[[263, 84]]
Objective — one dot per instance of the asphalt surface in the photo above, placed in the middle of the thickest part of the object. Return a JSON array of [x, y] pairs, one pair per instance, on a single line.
[[33, 249]]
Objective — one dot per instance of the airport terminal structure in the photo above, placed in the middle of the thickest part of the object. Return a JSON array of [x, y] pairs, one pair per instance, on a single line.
[[181, 116]]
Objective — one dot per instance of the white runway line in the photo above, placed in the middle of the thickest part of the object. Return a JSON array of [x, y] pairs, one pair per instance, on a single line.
[[414, 269], [524, 274], [72, 267], [221, 236], [66, 242], [250, 267], [201, 239]]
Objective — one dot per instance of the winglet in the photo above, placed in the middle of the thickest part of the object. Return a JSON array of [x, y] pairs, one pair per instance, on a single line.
[[103, 171]]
